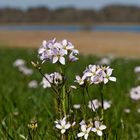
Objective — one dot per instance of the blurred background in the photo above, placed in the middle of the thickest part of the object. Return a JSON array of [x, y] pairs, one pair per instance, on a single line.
[[100, 27]]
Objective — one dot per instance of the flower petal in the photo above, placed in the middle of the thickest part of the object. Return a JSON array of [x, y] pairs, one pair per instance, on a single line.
[[81, 134], [83, 128], [62, 60], [63, 131], [64, 42], [109, 71], [105, 80], [97, 124], [58, 126], [55, 59], [112, 79], [85, 136], [94, 129], [99, 133], [102, 127], [67, 126]]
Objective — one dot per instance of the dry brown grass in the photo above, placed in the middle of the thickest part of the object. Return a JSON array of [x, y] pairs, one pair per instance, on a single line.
[[100, 43]]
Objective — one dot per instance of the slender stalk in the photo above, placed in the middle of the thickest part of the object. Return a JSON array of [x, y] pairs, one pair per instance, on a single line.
[[64, 100], [102, 103], [92, 104], [57, 100], [63, 93], [84, 105], [49, 82]]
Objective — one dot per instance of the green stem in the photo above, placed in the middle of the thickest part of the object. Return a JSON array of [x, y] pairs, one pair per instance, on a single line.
[[102, 103], [63, 93], [101, 138], [84, 106], [92, 104], [57, 100], [64, 100]]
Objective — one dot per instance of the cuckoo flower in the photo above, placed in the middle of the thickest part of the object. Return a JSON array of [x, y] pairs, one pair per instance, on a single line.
[[79, 80], [94, 104], [53, 78], [135, 93], [85, 131], [62, 125], [58, 55], [57, 51], [19, 62], [67, 45], [98, 128], [107, 72]]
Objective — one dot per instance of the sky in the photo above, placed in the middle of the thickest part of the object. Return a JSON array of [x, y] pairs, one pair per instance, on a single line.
[[97, 4]]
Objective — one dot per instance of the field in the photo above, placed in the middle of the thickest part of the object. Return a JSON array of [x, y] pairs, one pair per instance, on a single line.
[[19, 104], [101, 43]]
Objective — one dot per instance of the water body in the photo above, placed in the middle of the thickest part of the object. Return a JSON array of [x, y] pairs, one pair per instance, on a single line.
[[71, 28]]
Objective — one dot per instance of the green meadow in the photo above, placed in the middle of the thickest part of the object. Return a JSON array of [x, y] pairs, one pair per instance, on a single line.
[[20, 104]]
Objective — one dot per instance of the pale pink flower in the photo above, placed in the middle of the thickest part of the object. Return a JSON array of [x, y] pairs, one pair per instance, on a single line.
[[107, 75], [85, 132], [135, 93], [62, 125], [98, 128], [79, 80]]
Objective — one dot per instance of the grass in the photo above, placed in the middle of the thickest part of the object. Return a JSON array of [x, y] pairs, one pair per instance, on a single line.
[[19, 104]]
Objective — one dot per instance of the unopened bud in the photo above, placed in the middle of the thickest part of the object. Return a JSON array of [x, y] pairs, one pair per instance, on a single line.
[[36, 65]]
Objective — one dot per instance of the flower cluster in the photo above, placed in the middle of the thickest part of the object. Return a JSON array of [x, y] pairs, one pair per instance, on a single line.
[[95, 75], [137, 69], [53, 78], [21, 65], [95, 104], [58, 51], [33, 84], [98, 127], [62, 53], [62, 125]]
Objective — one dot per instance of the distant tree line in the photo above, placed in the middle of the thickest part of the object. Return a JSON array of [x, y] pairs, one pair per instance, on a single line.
[[112, 13]]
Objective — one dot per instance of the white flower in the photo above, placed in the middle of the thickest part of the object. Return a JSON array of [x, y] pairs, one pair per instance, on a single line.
[[98, 128], [58, 55], [45, 51], [107, 75], [57, 78], [76, 106], [85, 132], [137, 69], [53, 78], [67, 45], [79, 80], [107, 104], [33, 84], [94, 104], [57, 51], [46, 82], [19, 62], [135, 93], [127, 110], [82, 122], [96, 74], [62, 125], [105, 61], [25, 70]]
